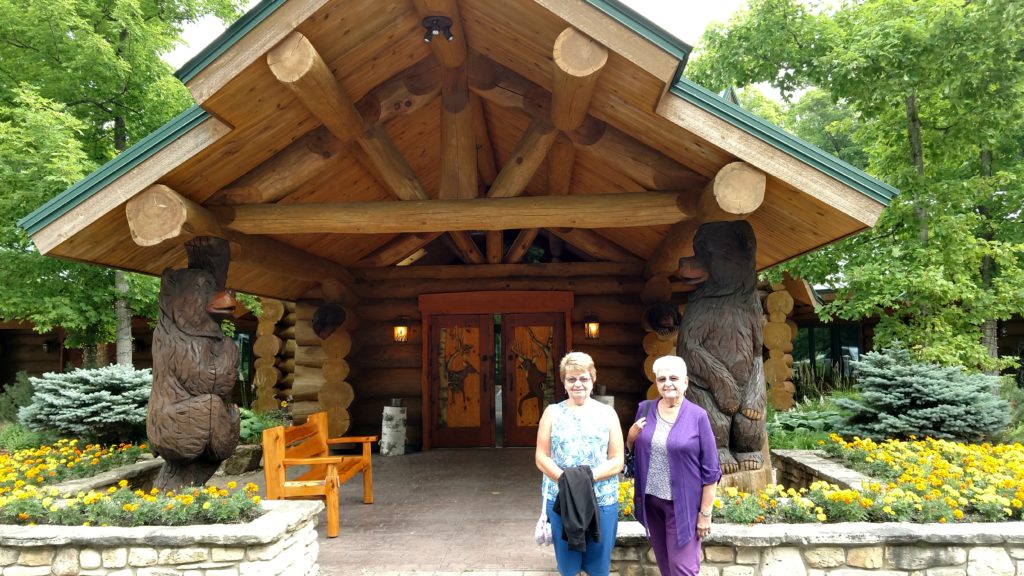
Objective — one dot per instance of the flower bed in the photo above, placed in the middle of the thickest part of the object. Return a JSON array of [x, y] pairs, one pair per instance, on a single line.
[[281, 541]]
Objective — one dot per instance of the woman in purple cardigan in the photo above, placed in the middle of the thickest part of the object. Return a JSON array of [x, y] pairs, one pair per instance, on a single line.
[[677, 471]]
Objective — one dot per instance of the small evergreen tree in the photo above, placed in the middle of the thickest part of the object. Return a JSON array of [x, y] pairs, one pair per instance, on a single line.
[[14, 396], [900, 397], [103, 404]]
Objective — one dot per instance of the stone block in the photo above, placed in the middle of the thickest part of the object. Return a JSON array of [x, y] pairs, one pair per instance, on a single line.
[[220, 554], [738, 571], [1016, 552], [918, 557], [8, 556], [19, 570], [946, 572], [219, 572], [174, 556], [860, 572], [140, 556], [783, 561], [866, 557], [825, 557], [36, 556], [65, 563], [984, 561], [722, 554], [89, 558], [630, 553], [263, 553], [156, 571], [631, 570], [748, 555], [709, 571], [115, 557]]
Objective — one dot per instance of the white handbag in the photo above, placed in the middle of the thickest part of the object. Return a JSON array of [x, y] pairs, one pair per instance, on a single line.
[[542, 531]]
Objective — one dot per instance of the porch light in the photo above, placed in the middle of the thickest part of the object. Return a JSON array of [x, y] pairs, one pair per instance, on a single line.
[[401, 329], [436, 26], [591, 326]]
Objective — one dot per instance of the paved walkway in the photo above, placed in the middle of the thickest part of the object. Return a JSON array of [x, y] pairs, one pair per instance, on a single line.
[[440, 513]]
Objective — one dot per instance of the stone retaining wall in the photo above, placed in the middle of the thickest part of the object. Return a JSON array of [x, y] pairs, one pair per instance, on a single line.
[[800, 468], [847, 549], [283, 541]]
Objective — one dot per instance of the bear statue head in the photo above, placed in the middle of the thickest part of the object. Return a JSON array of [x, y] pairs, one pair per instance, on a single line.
[[192, 301], [727, 251]]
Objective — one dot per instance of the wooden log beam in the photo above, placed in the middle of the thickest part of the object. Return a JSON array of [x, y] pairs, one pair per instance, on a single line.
[[529, 152], [574, 211], [594, 244], [297, 65], [285, 171], [465, 247], [561, 161], [581, 285], [396, 250], [521, 244], [487, 168], [158, 213], [645, 165], [578, 61], [734, 193], [456, 272], [458, 141], [494, 246], [451, 54]]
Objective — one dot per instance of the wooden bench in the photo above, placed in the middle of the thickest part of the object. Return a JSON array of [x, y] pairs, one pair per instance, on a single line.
[[307, 445]]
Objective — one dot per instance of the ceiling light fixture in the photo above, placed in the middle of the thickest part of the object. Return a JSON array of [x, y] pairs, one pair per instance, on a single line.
[[437, 25]]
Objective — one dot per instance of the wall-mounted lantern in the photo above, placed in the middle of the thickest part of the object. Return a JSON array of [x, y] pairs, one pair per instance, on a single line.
[[401, 329], [591, 326]]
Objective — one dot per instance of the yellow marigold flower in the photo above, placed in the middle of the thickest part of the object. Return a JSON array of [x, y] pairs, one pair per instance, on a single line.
[[232, 485], [958, 514], [206, 505], [54, 508], [255, 499], [22, 516], [1016, 503], [123, 483], [86, 523], [942, 520], [250, 487], [821, 517], [732, 491]]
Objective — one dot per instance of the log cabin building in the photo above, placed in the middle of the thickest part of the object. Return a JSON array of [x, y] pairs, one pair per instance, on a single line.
[[438, 198]]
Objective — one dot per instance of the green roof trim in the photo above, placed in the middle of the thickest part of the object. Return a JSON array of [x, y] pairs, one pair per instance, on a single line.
[[652, 32], [784, 141], [114, 169], [222, 43]]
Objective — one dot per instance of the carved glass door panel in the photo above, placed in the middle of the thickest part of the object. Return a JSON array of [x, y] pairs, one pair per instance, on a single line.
[[532, 345], [461, 394]]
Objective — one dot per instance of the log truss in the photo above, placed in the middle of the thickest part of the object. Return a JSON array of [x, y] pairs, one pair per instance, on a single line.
[[476, 193]]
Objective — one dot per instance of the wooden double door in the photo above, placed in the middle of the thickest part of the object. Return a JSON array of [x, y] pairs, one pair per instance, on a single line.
[[470, 357]]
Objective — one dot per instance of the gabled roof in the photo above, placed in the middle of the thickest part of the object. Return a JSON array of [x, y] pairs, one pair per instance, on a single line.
[[284, 178]]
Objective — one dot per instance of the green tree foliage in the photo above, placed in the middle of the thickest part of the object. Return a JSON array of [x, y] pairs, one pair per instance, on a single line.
[[928, 96], [80, 80], [901, 397], [105, 404]]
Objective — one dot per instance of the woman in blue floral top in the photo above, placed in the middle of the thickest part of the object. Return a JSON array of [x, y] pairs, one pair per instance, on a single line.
[[581, 431]]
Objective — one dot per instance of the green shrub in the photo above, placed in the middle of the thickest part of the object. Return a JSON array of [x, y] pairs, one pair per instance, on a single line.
[[1014, 396], [106, 405], [14, 396], [805, 426], [15, 437], [901, 397], [252, 425]]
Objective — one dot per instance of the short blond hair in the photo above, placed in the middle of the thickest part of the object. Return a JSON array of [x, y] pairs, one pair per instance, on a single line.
[[669, 363], [580, 361]]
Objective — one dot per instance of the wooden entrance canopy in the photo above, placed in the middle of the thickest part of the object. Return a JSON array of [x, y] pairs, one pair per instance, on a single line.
[[328, 137]]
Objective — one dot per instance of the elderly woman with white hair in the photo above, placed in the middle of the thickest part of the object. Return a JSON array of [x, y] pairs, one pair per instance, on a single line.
[[677, 470]]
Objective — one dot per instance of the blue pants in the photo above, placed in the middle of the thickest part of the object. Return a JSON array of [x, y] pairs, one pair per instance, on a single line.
[[597, 559]]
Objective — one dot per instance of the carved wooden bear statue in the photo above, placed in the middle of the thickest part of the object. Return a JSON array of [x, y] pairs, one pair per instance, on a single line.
[[191, 421], [720, 338]]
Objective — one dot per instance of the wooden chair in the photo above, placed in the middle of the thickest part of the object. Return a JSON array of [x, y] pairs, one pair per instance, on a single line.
[[307, 445]]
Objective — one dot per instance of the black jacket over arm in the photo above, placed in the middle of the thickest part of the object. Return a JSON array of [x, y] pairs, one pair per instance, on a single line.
[[577, 506]]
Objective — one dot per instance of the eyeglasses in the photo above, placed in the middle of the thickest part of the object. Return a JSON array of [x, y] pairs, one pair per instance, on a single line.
[[581, 380]]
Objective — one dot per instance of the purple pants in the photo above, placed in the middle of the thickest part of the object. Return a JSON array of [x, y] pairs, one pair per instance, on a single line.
[[661, 524]]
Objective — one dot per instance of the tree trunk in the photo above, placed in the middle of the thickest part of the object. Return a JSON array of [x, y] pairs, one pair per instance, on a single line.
[[124, 320], [989, 328], [917, 159], [121, 308]]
